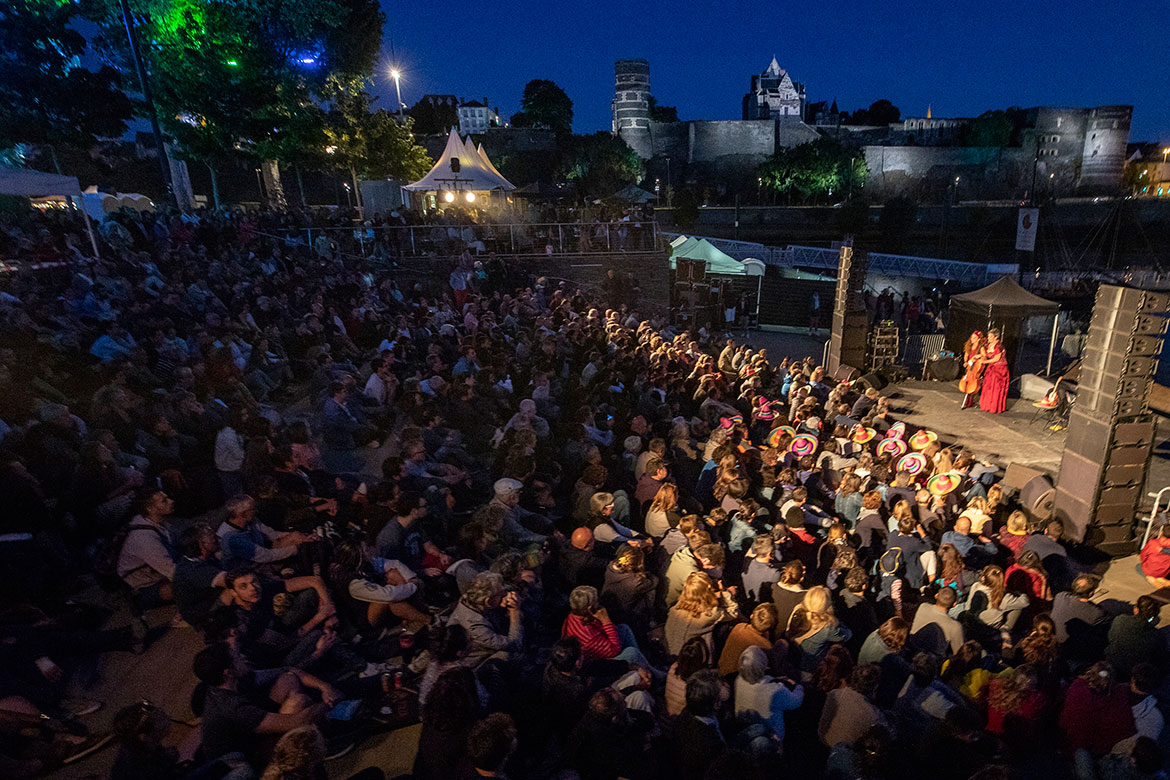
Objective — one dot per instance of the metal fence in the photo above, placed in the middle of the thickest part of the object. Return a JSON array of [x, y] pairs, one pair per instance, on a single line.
[[508, 238]]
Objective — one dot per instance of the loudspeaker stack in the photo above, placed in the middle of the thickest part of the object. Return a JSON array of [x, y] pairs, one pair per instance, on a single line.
[[849, 335], [1111, 431]]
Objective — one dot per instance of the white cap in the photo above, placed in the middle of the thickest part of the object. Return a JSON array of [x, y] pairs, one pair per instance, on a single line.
[[507, 486]]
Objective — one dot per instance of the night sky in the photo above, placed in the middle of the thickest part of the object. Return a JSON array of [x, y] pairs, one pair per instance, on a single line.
[[962, 57]]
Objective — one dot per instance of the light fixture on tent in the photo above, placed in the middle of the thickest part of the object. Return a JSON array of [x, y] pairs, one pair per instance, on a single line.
[[470, 197], [449, 196]]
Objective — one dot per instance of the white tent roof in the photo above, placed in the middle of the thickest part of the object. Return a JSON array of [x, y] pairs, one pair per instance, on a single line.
[[19, 181], [483, 156], [475, 172]]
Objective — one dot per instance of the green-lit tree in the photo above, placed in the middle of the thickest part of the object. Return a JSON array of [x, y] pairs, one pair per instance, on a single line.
[[247, 77], [46, 97], [991, 128], [814, 170]]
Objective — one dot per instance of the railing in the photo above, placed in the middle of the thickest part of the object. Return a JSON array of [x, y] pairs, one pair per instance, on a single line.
[[451, 239], [824, 258], [916, 349]]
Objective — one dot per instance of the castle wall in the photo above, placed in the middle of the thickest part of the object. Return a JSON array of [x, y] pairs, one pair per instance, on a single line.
[[1106, 137]]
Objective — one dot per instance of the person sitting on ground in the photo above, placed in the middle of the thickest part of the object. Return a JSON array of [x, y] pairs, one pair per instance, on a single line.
[[759, 631], [849, 710], [1135, 638], [1155, 558], [601, 639], [490, 743], [1081, 625], [813, 627], [199, 580], [974, 551], [245, 540], [279, 621], [934, 630], [700, 607], [761, 699], [382, 589], [697, 736], [146, 562], [760, 572], [483, 611], [233, 724]]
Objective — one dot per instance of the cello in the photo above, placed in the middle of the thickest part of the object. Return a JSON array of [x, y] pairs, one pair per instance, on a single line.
[[972, 367]]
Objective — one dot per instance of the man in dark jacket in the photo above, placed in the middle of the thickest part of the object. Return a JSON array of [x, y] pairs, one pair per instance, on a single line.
[[697, 736]]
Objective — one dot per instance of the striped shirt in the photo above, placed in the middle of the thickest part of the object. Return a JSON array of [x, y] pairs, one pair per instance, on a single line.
[[599, 641]]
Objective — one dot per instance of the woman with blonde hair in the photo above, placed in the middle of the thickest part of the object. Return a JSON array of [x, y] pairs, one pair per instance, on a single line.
[[994, 605], [976, 512], [813, 627], [696, 613], [1014, 535], [663, 513], [300, 755]]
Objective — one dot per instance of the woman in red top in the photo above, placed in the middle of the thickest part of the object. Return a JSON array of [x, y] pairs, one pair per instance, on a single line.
[[601, 639], [1016, 706], [993, 398], [1155, 558], [1015, 535], [1097, 713]]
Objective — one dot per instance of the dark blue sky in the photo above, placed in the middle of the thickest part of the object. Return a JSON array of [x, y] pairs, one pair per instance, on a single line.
[[962, 57]]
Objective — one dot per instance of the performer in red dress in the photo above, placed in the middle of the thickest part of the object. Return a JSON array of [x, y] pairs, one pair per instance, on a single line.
[[995, 376]]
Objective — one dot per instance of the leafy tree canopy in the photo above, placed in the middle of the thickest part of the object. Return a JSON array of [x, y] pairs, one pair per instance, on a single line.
[[546, 105], [880, 112], [431, 118], [47, 96], [814, 169], [372, 143], [600, 164]]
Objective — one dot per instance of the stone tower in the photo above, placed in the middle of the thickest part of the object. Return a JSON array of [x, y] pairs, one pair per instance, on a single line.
[[631, 105], [1106, 137]]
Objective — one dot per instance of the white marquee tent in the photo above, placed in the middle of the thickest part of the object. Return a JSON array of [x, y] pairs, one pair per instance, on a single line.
[[476, 172], [34, 184]]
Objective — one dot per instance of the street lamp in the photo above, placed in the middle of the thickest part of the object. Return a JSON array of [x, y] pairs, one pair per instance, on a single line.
[[397, 75]]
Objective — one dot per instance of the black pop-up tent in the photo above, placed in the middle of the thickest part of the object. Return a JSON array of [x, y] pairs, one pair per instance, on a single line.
[[1003, 304]]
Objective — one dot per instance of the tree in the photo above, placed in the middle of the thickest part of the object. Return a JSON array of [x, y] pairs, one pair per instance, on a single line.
[[47, 97], [883, 112], [880, 112], [432, 117], [659, 113], [234, 78], [600, 164], [372, 144], [817, 168], [991, 128], [546, 105]]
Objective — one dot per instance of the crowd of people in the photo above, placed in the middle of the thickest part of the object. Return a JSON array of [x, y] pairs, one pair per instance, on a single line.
[[571, 541]]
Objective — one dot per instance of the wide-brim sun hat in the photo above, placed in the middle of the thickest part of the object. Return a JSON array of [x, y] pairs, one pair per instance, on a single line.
[[896, 431], [913, 464], [778, 433], [862, 434], [922, 439], [894, 447], [941, 484], [803, 444]]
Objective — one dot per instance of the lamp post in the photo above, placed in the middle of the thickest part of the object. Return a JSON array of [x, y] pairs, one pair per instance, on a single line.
[[397, 76]]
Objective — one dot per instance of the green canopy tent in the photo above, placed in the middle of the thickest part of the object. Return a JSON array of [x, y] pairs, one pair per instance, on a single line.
[[699, 249]]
